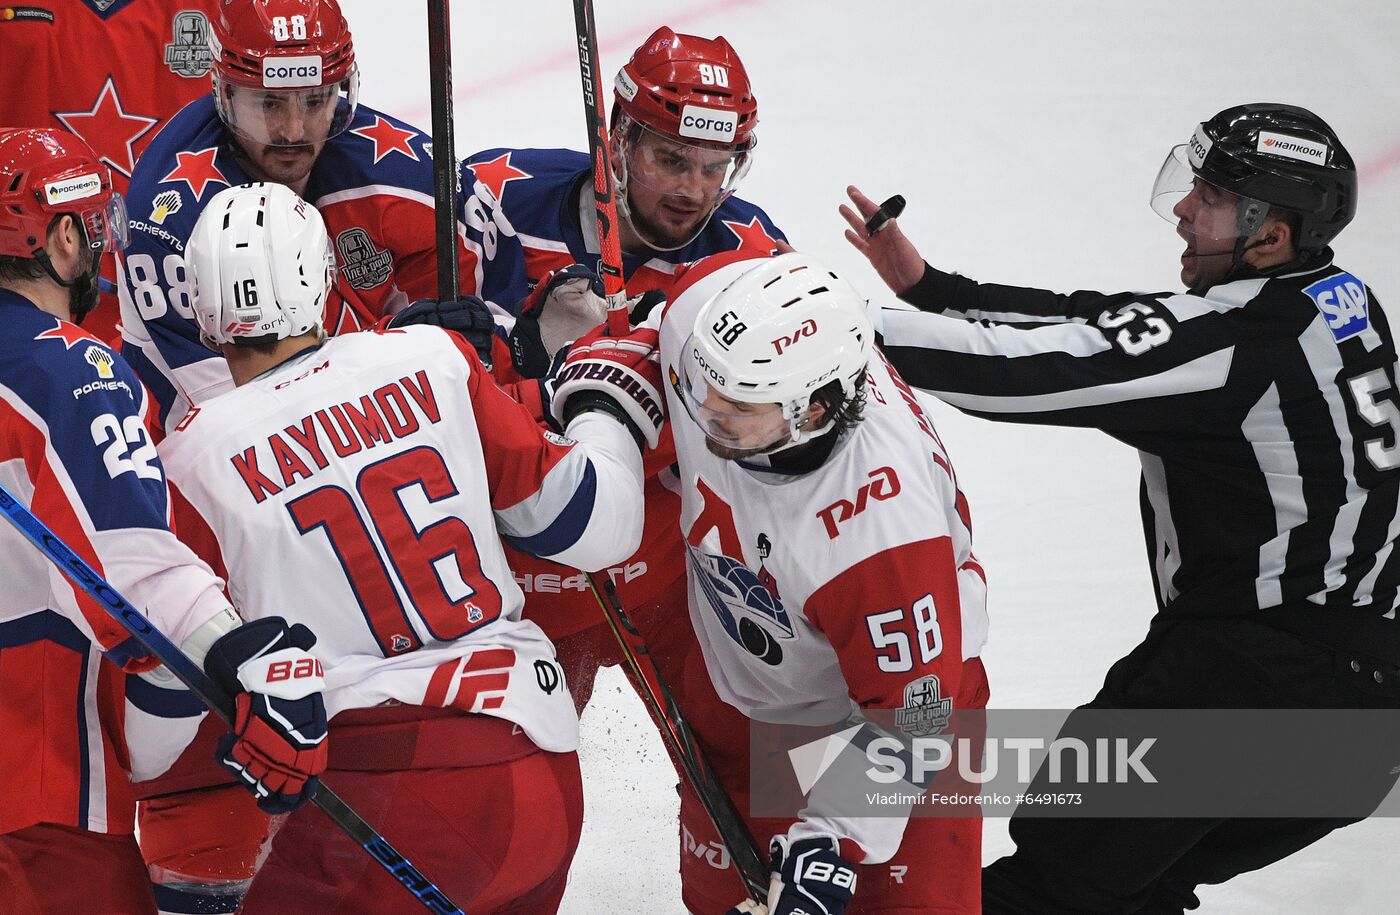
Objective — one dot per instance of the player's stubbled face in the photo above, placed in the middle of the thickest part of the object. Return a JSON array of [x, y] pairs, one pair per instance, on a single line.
[[673, 187], [736, 430], [282, 133]]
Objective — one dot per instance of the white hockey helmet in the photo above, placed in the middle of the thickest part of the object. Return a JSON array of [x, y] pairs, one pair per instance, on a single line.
[[260, 264], [763, 345]]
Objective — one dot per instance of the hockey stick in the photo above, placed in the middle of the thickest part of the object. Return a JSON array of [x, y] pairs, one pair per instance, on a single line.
[[445, 175], [132, 620], [642, 669], [604, 190]]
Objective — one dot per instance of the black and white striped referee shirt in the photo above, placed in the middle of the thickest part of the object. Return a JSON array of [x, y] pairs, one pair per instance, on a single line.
[[1265, 412]]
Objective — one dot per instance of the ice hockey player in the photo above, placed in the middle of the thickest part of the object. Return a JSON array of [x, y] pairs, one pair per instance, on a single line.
[[806, 596], [683, 134], [355, 478], [1263, 404], [147, 60], [284, 109], [75, 447]]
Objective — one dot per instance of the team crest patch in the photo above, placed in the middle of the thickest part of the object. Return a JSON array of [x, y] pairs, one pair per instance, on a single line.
[[925, 711], [188, 54], [100, 359], [1344, 304], [752, 615], [362, 264], [165, 203]]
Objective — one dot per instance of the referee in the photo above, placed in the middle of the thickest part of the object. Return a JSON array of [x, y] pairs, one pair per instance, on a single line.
[[1263, 404]]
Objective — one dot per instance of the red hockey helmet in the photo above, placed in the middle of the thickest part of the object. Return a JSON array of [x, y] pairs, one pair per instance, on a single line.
[[691, 88], [295, 54], [683, 129], [46, 173]]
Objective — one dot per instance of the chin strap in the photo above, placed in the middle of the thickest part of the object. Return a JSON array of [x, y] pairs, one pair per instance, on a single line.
[[83, 288]]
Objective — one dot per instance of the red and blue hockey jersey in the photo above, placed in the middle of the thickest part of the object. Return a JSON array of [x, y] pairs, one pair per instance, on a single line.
[[537, 200], [528, 210], [373, 185], [75, 447]]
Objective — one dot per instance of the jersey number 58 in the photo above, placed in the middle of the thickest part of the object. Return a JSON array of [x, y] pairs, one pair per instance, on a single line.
[[889, 634]]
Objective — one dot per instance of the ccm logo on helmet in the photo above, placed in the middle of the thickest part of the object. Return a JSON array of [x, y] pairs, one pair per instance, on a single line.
[[291, 72], [708, 124]]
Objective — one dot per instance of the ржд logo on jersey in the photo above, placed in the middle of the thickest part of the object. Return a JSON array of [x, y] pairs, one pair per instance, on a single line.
[[362, 264], [1343, 302], [189, 55], [884, 484]]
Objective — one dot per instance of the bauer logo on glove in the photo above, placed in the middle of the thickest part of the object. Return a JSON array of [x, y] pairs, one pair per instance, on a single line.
[[618, 375]]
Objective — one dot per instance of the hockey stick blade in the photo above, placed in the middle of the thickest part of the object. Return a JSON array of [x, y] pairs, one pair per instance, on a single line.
[[134, 621], [660, 702]]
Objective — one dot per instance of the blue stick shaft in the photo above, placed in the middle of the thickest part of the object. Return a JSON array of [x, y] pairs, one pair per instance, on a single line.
[[135, 622]]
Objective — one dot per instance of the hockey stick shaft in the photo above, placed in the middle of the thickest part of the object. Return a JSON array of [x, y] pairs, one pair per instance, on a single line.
[[660, 702], [445, 174], [604, 188], [134, 621]]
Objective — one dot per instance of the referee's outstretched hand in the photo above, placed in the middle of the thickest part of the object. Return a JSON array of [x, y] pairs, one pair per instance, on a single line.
[[892, 255]]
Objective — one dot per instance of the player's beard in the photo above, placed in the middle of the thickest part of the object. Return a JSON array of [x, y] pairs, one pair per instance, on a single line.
[[656, 236], [724, 452]]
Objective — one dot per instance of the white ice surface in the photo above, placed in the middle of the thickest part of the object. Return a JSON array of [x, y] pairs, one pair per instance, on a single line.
[[1025, 136]]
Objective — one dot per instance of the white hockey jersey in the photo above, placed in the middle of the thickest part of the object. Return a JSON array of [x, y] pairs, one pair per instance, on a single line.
[[852, 584], [363, 488]]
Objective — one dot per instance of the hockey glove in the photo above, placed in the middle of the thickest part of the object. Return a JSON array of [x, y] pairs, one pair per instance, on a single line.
[[468, 316], [563, 306], [618, 375], [278, 745], [809, 878]]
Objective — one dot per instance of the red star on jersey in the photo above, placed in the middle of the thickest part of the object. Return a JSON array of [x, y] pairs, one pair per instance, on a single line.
[[108, 129], [752, 235], [387, 139], [196, 169], [70, 334], [497, 173]]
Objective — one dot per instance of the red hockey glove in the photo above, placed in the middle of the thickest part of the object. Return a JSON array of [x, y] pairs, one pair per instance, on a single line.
[[618, 375], [278, 746]]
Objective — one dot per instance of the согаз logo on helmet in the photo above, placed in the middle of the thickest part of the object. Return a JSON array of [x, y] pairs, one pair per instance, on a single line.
[[291, 72], [700, 123]]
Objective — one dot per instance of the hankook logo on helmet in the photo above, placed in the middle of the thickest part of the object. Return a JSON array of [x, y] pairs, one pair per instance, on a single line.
[[700, 123], [1279, 144], [291, 72], [72, 189], [1199, 147]]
